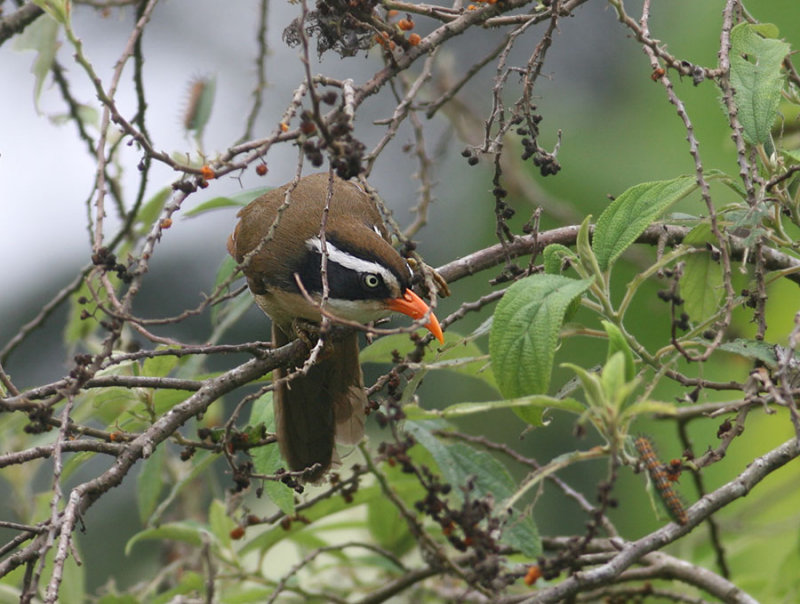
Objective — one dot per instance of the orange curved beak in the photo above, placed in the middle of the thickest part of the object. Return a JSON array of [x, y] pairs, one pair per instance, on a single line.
[[412, 305]]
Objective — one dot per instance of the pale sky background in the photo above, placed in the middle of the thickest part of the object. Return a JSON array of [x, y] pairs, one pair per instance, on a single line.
[[46, 173]]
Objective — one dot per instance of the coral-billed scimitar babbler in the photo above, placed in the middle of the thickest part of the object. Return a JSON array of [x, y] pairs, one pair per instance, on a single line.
[[367, 279]]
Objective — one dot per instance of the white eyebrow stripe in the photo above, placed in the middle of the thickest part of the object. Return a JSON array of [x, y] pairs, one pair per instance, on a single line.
[[352, 262]]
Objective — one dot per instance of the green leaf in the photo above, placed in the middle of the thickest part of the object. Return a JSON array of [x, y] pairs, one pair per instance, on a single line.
[[76, 462], [165, 399], [591, 383], [648, 406], [159, 366], [757, 78], [613, 380], [117, 599], [190, 583], [230, 313], [459, 355], [701, 283], [460, 463], [384, 521], [388, 527], [41, 36], [151, 210], [793, 155], [632, 212], [618, 343], [586, 254], [186, 532], [200, 464], [524, 336], [382, 350], [220, 523], [150, 483], [529, 408], [555, 256], [522, 534], [237, 200], [73, 582], [58, 9], [752, 349], [323, 509], [267, 459], [225, 270], [243, 593], [85, 114], [77, 328]]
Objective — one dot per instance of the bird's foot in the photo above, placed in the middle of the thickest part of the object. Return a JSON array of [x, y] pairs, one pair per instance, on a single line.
[[430, 277], [307, 331], [310, 334]]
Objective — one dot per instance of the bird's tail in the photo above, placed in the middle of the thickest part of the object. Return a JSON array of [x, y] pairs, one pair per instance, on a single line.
[[325, 405]]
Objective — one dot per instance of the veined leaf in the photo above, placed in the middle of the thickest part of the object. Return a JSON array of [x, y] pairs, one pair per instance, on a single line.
[[190, 582], [384, 521], [701, 283], [613, 380], [221, 524], [41, 36], [151, 210], [460, 463], [187, 532], [323, 509], [618, 343], [528, 407], [756, 77], [237, 200], [456, 348], [150, 483], [752, 349], [648, 406], [555, 256], [58, 9], [524, 335], [200, 464], [632, 212], [159, 366], [267, 459]]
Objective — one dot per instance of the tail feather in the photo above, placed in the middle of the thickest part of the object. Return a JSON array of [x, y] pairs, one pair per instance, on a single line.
[[326, 404]]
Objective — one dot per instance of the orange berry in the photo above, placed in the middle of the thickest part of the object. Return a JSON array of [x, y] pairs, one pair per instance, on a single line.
[[534, 572], [405, 24], [384, 40], [166, 223], [414, 39], [392, 13], [207, 173], [284, 127], [237, 533], [261, 169]]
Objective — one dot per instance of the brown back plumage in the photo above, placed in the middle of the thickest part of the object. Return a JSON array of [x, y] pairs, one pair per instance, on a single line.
[[328, 402]]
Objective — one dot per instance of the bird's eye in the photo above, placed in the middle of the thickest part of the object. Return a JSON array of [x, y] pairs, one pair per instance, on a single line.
[[370, 280]]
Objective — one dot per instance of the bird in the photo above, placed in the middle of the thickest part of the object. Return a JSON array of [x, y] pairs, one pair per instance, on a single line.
[[277, 244]]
